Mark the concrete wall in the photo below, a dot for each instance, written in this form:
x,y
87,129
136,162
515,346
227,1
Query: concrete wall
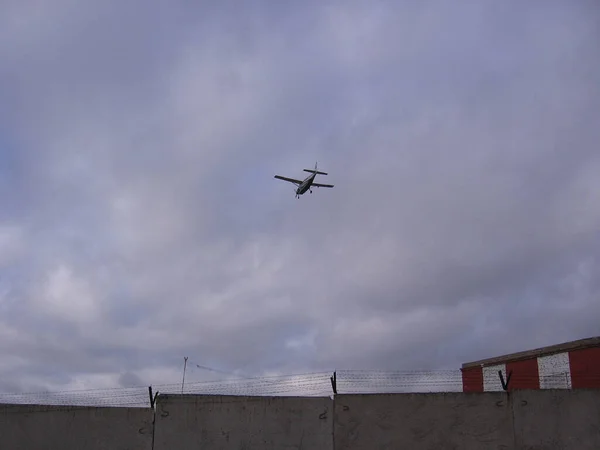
x,y
37,427
557,419
521,420
423,421
249,423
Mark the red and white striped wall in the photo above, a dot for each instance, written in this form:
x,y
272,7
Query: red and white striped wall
x,y
574,369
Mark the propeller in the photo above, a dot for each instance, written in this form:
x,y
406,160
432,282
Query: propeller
x,y
297,196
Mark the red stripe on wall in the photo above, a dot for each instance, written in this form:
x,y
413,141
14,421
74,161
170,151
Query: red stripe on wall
x,y
525,374
585,368
472,379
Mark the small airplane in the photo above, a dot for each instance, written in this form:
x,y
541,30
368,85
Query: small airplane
x,y
307,183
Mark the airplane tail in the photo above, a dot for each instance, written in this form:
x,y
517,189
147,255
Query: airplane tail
x,y
315,170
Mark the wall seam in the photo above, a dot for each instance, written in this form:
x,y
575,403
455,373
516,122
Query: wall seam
x,y
153,425
511,404
333,420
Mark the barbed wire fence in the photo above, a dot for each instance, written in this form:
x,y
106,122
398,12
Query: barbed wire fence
x,y
306,384
315,384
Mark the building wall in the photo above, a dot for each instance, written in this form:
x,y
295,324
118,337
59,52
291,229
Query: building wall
x,y
585,368
574,369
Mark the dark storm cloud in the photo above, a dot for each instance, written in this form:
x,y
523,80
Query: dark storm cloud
x,y
145,224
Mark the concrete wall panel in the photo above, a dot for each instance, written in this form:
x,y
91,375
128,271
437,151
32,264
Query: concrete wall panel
x,y
466,421
37,427
251,423
557,419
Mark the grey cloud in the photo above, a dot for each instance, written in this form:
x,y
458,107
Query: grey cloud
x,y
144,141
129,379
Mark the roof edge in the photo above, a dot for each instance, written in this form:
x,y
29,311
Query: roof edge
x,y
542,351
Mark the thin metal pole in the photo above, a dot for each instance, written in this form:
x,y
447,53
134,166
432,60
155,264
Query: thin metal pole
x,y
185,358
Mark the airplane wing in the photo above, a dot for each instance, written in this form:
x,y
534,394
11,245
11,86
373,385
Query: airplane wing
x,y
321,185
291,180
315,171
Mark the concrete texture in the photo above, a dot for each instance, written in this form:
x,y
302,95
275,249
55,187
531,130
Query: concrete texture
x,y
556,419
250,423
37,427
474,421
520,420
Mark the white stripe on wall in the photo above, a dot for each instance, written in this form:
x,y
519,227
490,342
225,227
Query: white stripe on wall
x,y
491,380
555,371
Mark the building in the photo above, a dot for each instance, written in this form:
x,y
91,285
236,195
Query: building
x,y
572,365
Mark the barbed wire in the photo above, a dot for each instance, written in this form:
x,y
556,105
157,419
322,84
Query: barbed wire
x,y
305,384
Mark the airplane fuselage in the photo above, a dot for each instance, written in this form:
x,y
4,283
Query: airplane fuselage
x,y
305,185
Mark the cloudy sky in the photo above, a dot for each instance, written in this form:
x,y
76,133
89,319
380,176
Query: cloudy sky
x,y
140,221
